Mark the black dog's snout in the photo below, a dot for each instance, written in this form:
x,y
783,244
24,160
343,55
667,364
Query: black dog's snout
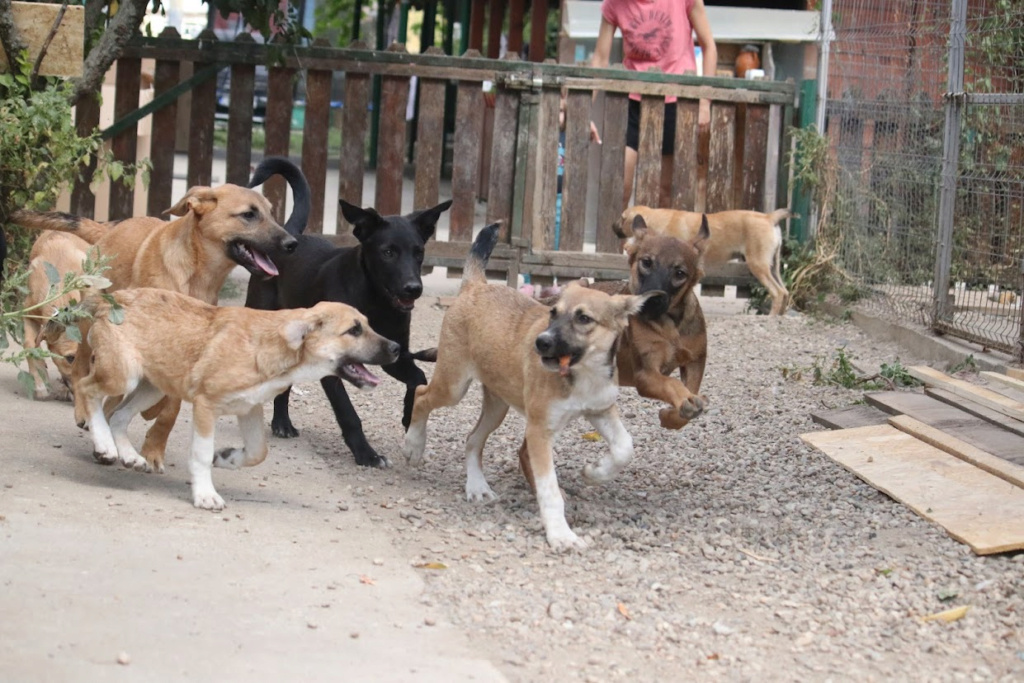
x,y
545,344
289,244
412,289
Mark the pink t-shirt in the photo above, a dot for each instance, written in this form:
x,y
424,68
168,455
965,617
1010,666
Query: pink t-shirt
x,y
654,33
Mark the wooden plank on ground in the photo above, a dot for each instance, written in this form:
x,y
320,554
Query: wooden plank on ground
x,y
354,124
684,161
973,506
277,126
852,416
986,397
720,157
953,421
648,154
1005,380
1007,471
574,172
613,143
240,111
987,414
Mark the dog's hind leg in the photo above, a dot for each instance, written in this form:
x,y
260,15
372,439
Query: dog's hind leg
x,y
620,447
492,414
281,423
200,462
89,399
155,445
144,396
351,425
445,389
254,443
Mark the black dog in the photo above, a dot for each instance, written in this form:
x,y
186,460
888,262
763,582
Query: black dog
x,y
380,277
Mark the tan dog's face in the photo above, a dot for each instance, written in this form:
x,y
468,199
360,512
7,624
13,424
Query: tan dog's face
x,y
339,336
241,220
623,227
584,328
64,350
663,263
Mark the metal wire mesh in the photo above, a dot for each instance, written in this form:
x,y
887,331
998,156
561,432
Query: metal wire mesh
x,y
884,119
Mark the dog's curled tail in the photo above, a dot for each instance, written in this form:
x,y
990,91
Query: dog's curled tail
x,y
426,355
302,204
86,228
781,214
476,265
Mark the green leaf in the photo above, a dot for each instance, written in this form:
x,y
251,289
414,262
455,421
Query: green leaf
x,y
73,333
116,315
27,383
51,273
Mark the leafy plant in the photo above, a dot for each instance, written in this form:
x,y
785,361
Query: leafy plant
x,y
840,371
966,365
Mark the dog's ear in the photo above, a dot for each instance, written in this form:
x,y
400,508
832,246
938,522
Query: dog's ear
x,y
426,220
198,199
700,242
632,304
296,331
364,221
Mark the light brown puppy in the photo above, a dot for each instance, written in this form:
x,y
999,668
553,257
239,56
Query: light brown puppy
x,y
223,360
753,235
550,364
65,253
217,229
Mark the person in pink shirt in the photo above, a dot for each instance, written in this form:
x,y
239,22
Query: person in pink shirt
x,y
655,33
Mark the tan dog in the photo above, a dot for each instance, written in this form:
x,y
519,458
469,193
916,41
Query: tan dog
x,y
65,253
551,364
754,236
218,228
225,361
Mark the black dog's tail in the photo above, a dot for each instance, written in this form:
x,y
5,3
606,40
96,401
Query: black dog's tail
x,y
426,355
283,166
476,265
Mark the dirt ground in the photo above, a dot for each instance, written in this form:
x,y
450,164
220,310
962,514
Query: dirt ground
x,y
728,550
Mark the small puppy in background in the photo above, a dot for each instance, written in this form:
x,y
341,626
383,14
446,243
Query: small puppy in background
x,y
550,364
66,253
225,361
752,235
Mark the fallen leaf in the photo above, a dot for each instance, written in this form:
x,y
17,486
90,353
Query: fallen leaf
x,y
714,656
624,611
431,565
591,436
948,615
367,580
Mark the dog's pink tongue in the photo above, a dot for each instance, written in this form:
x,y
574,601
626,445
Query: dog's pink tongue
x,y
264,263
359,370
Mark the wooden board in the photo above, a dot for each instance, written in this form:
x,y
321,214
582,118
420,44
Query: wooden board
x,y
973,506
684,160
277,126
355,121
1005,380
610,185
541,203
65,54
720,157
203,110
648,159
161,154
753,157
469,111
997,419
986,397
123,145
1016,373
574,178
503,148
1007,471
394,94
953,421
852,416
429,142
240,113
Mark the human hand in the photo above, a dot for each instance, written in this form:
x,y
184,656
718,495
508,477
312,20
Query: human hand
x,y
594,135
704,115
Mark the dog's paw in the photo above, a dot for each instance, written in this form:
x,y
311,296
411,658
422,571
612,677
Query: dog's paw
x,y
412,451
283,429
693,406
595,475
105,458
229,458
565,541
60,392
207,500
134,461
372,459
480,492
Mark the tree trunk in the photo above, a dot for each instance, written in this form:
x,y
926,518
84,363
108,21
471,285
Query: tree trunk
x,y
9,37
120,30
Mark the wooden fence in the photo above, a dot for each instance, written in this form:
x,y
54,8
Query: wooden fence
x,y
734,165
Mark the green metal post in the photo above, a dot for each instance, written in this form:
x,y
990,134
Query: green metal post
x,y
801,195
375,114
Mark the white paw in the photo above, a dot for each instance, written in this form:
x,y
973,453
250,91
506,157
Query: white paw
x,y
105,458
413,452
229,458
480,492
134,461
565,541
595,475
207,500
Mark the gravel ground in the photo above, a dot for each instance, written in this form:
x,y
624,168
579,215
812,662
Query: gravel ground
x,y
727,550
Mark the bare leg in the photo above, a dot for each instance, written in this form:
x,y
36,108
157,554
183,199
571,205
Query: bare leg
x,y
492,413
629,173
254,443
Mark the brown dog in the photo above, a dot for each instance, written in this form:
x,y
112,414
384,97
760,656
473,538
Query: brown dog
x,y
217,229
65,253
225,361
551,364
753,235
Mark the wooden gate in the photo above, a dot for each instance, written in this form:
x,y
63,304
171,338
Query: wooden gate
x,y
735,165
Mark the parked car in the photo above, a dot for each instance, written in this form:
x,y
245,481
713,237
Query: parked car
x,y
259,94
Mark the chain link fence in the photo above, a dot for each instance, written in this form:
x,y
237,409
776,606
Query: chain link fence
x,y
900,120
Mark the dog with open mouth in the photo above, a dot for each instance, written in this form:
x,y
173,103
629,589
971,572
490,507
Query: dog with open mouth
x,y
552,364
223,360
214,229
381,276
